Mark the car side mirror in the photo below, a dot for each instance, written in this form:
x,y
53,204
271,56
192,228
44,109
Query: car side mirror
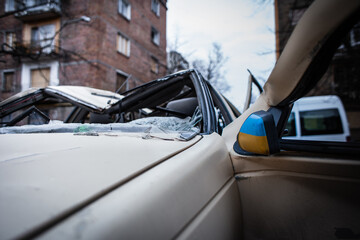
x,y
258,135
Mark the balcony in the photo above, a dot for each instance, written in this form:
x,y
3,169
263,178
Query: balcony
x,y
34,51
30,10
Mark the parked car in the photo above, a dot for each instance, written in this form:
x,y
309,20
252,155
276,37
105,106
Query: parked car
x,y
172,159
320,118
83,145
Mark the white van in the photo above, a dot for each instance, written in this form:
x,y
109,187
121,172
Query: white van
x,y
318,118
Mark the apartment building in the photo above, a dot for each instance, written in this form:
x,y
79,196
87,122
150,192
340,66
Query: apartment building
x,y
113,45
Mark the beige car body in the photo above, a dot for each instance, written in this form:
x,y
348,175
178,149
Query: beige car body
x,y
127,186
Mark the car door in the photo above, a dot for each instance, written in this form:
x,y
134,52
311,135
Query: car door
x,y
302,189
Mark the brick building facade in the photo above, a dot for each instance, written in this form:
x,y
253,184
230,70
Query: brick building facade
x,y
101,44
343,75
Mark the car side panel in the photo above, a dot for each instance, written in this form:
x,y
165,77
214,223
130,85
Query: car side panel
x,y
298,196
220,219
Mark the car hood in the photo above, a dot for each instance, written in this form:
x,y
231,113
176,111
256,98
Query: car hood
x,y
46,177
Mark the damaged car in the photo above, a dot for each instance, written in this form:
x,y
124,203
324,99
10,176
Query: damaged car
x,y
110,140
173,159
184,98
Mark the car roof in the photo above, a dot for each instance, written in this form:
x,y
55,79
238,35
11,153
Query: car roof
x,y
328,99
91,98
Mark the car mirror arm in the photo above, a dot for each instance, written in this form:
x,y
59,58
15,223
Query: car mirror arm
x,y
280,115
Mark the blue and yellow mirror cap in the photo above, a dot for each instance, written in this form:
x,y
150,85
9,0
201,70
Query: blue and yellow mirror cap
x,y
257,135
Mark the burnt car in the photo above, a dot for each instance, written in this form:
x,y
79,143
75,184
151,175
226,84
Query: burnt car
x,y
173,158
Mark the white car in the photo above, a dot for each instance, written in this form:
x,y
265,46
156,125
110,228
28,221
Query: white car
x,y
320,118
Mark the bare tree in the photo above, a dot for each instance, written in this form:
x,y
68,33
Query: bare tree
x,y
213,68
176,60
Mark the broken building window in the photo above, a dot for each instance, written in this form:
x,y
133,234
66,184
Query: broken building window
x,y
155,36
42,37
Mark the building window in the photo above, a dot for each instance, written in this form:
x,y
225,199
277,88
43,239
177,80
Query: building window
x,y
8,81
125,9
121,83
42,37
10,39
154,65
40,77
10,5
123,45
49,73
155,7
155,36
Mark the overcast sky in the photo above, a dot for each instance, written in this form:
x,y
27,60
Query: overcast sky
x,y
243,28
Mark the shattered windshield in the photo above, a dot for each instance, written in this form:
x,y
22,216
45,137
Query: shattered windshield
x,y
164,106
